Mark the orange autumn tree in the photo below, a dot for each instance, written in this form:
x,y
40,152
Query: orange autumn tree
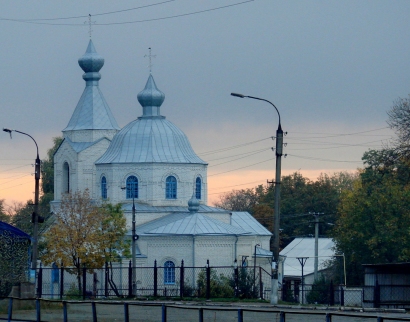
x,y
84,233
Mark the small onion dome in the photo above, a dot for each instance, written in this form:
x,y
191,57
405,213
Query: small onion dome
x,y
91,62
193,204
151,98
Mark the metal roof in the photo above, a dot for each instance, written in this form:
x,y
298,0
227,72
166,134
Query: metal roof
x,y
189,224
305,247
170,209
92,111
149,140
246,221
13,232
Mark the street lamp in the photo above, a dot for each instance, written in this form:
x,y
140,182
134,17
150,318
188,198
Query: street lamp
x,y
35,216
278,150
134,239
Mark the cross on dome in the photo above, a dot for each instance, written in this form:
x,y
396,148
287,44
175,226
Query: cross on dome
x,y
90,23
150,56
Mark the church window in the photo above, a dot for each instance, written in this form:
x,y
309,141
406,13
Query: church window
x,y
103,188
171,188
198,188
66,178
132,187
169,272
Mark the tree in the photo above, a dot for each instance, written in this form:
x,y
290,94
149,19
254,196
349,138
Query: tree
x,y
399,120
3,215
240,200
84,233
373,224
47,171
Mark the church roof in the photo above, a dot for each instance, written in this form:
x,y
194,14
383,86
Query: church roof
x,y
188,224
150,138
246,221
169,209
92,111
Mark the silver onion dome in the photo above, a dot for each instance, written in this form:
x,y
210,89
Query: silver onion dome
x,y
151,98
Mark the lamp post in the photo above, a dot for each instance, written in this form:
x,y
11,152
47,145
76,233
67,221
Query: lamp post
x,y
278,150
35,215
134,239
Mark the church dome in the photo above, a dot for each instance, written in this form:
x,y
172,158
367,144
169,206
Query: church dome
x,y
91,61
150,138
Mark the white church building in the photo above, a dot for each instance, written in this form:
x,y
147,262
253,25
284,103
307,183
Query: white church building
x,y
151,161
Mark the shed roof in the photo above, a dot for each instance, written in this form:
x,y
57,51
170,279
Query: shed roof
x,y
305,247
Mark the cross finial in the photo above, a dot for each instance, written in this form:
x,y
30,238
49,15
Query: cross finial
x,y
150,56
90,23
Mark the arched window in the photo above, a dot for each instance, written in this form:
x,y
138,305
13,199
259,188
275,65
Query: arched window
x,y
198,188
169,272
103,188
66,178
171,188
132,187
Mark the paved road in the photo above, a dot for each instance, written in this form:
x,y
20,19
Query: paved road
x,y
108,312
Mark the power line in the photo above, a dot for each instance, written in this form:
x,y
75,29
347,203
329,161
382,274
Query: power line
x,y
127,22
319,159
86,16
214,165
233,147
211,175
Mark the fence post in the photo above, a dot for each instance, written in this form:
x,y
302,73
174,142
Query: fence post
x,y
380,319
201,314
164,313
38,312
106,280
95,281
130,279
332,294
342,296
40,281
65,311
181,280
94,310
208,280
282,316
260,283
376,295
84,281
155,279
328,317
236,273
240,315
126,313
62,281
10,310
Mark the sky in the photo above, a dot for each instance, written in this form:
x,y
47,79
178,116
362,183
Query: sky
x,y
332,68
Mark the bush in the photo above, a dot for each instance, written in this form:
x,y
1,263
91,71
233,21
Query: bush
x,y
220,285
248,287
320,292
73,293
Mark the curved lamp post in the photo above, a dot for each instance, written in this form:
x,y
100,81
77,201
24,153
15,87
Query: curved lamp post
x,y
276,216
35,215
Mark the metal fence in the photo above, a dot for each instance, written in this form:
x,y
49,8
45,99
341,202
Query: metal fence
x,y
157,281
52,310
326,293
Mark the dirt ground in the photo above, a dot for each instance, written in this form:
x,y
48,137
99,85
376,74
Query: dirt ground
x,y
141,312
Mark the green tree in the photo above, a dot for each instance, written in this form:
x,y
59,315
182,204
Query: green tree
x,y
373,224
47,172
84,233
3,215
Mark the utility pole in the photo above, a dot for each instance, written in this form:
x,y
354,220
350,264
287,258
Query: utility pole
x,y
316,215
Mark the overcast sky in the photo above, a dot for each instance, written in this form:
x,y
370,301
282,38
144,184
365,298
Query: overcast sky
x,y
332,68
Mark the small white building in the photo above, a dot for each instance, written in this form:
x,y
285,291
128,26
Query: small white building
x,y
151,162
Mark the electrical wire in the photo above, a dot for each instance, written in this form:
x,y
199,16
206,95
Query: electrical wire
x,y
214,165
233,147
215,174
30,21
325,160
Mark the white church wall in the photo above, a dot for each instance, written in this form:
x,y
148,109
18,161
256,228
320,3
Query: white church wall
x,y
152,182
65,154
89,135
